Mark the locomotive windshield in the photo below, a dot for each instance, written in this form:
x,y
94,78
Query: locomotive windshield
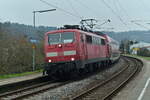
x,y
57,38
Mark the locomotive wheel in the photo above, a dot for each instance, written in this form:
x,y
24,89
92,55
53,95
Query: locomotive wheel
x,y
82,71
90,68
61,74
96,66
106,63
65,74
103,65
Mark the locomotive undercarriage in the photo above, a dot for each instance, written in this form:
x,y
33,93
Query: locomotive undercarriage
x,y
70,70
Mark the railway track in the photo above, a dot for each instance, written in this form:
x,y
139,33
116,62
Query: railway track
x,y
106,89
31,90
22,84
98,90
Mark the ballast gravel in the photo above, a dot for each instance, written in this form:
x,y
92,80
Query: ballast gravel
x,y
71,88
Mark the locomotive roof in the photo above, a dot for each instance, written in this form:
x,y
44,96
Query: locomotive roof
x,y
98,34
92,33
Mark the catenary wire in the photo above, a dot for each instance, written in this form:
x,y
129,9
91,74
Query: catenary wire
x,y
67,12
73,8
124,11
89,9
114,12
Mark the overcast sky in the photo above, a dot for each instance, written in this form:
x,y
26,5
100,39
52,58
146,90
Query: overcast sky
x,y
120,12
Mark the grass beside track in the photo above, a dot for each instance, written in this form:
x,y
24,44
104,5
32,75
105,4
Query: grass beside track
x,y
19,74
146,58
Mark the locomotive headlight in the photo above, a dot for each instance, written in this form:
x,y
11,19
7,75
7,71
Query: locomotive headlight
x,y
72,59
59,45
49,60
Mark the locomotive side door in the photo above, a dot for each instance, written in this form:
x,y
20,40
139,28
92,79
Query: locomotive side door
x,y
108,49
83,47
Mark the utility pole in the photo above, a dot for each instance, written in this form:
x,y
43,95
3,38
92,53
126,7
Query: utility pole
x,y
33,56
33,45
40,11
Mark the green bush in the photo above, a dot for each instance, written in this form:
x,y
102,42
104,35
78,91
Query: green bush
x,y
143,52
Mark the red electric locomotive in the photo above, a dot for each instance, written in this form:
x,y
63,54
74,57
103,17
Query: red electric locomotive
x,y
69,50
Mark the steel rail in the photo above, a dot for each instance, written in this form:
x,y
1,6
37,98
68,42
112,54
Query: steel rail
x,y
116,90
41,90
27,93
20,84
24,89
110,93
83,93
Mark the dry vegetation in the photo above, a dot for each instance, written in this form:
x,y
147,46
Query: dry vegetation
x,y
16,54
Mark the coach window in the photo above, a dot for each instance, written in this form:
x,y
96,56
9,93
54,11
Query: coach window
x,y
93,39
102,41
88,39
99,41
96,40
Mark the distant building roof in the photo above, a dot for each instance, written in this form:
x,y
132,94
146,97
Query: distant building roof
x,y
140,45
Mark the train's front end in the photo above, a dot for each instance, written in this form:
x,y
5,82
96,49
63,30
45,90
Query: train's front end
x,y
60,50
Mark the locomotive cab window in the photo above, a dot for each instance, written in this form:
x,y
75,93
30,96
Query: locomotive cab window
x,y
53,38
65,37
